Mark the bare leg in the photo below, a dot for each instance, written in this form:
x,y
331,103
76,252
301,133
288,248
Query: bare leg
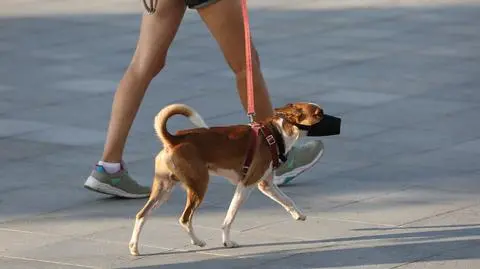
x,y
273,192
225,22
241,194
156,34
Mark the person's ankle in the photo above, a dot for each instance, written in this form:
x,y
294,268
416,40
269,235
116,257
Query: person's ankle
x,y
111,167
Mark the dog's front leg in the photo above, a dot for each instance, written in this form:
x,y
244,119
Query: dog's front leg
x,y
241,194
273,192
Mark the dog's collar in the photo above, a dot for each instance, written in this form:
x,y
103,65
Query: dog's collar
x,y
275,143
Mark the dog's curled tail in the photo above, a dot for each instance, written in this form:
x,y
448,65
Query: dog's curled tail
x,y
160,123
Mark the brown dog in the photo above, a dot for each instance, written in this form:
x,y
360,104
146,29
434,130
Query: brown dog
x,y
190,156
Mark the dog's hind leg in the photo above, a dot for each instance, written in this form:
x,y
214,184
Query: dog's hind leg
x,y
268,188
162,187
241,194
194,177
193,202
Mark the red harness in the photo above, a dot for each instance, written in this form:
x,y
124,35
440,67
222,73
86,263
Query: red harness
x,y
258,129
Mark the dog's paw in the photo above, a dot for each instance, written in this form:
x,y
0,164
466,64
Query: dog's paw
x,y
298,216
301,217
199,243
230,244
133,249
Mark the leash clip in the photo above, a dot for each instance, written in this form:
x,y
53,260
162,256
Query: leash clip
x,y
251,117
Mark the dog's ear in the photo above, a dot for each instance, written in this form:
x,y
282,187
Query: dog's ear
x,y
292,115
318,112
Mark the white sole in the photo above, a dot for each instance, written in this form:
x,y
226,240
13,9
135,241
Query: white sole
x,y
280,180
95,185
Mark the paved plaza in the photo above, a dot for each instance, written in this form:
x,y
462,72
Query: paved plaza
x,y
399,188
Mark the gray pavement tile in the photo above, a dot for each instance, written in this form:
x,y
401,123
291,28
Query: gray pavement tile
x,y
17,240
286,237
364,255
324,59
465,92
12,127
16,150
470,146
93,255
462,182
13,262
33,171
343,150
459,125
402,207
327,169
96,213
65,135
421,140
355,130
325,195
6,107
407,112
71,113
359,98
442,158
33,200
87,85
454,226
463,258
407,174
167,260
56,55
4,88
320,231
22,102
411,76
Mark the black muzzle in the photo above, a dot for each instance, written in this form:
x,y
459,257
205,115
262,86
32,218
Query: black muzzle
x,y
328,126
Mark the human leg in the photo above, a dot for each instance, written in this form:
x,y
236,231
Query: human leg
x,y
156,34
224,20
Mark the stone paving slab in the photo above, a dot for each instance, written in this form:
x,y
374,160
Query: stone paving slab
x,y
398,189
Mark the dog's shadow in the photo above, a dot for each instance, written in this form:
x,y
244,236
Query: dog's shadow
x,y
457,232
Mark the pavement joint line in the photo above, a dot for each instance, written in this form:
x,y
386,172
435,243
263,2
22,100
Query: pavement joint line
x,y
428,257
263,225
440,214
292,254
46,261
355,221
89,238
405,188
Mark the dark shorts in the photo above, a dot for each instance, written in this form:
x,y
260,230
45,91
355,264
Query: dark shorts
x,y
194,4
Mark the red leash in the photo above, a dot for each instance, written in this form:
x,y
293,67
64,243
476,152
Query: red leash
x,y
257,128
248,56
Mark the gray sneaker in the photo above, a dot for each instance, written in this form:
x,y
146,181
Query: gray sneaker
x,y
118,184
300,159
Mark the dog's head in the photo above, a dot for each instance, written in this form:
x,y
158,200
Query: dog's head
x,y
300,114
309,118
